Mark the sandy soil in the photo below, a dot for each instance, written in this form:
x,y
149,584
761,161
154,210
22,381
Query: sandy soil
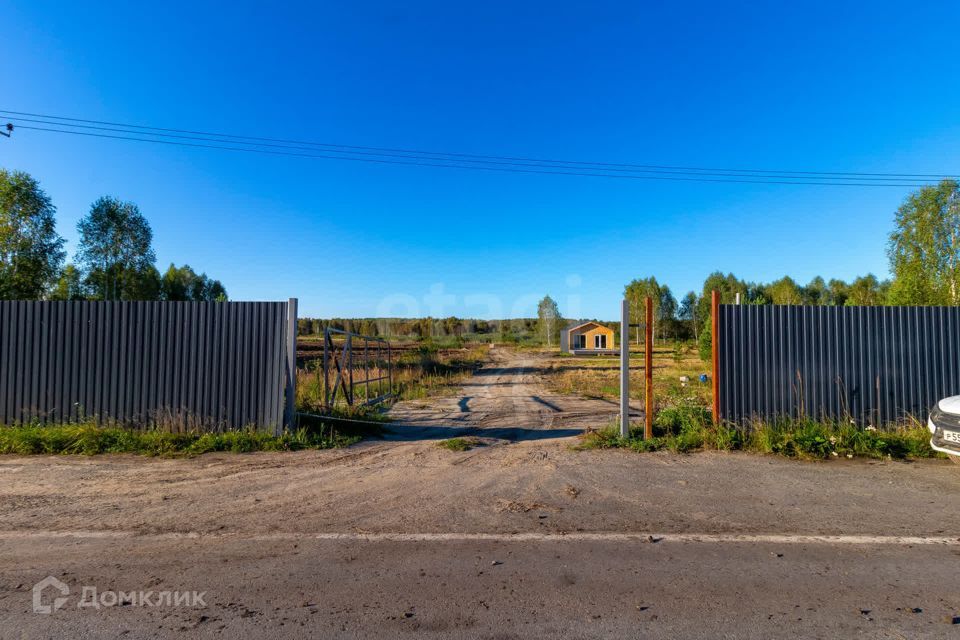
x,y
506,399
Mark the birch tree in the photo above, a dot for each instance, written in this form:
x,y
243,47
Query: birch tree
x,y
548,316
924,247
31,251
116,252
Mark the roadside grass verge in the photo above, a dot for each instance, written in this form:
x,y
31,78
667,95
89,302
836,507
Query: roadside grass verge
x,y
688,428
91,439
460,444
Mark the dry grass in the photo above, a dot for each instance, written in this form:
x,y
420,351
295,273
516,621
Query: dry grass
x,y
599,376
419,373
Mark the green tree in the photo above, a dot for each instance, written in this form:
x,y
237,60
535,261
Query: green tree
x,y
728,286
666,312
368,327
839,291
924,247
183,283
31,251
69,286
116,252
143,284
816,292
217,292
689,310
452,326
867,291
548,319
636,293
756,293
704,343
176,283
423,328
785,291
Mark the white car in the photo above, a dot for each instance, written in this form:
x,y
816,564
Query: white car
x,y
944,424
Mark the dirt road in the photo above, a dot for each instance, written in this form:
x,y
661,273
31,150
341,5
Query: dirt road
x,y
520,538
505,399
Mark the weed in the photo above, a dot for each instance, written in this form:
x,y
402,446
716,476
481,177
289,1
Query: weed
x,y
460,444
687,427
90,439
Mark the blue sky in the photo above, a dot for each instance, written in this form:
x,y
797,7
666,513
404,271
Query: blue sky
x,y
830,86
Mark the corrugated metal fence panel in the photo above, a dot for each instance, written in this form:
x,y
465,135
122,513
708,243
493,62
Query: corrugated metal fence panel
x,y
209,365
874,365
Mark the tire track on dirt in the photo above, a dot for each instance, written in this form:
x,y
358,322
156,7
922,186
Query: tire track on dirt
x,y
506,399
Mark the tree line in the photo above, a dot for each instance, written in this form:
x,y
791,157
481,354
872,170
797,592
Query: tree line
x,y
511,330
545,328
923,250
114,259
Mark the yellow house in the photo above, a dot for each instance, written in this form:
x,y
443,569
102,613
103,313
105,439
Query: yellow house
x,y
588,337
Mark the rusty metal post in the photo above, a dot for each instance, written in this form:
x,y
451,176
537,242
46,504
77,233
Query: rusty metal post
x,y
327,348
715,351
389,369
350,367
648,371
366,369
624,369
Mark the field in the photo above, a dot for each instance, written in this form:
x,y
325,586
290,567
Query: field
x,y
424,368
599,376
418,371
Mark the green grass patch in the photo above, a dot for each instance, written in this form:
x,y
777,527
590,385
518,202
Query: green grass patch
x,y
91,439
685,427
460,444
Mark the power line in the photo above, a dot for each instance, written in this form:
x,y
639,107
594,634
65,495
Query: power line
x,y
300,147
384,155
470,155
482,168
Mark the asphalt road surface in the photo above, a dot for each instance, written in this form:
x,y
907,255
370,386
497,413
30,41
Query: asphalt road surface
x,y
523,537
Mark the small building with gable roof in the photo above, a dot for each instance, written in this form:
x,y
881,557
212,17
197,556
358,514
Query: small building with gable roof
x,y
587,338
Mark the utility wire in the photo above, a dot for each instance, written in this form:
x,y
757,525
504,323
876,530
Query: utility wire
x,y
384,155
433,157
470,155
481,167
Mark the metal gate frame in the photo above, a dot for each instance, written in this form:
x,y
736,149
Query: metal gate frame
x,y
341,362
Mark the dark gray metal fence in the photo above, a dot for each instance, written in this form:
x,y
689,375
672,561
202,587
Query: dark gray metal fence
x,y
203,365
874,365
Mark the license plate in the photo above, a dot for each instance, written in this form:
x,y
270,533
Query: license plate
x,y
952,436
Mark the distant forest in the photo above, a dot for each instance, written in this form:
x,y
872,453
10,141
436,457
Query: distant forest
x,y
425,328
923,251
